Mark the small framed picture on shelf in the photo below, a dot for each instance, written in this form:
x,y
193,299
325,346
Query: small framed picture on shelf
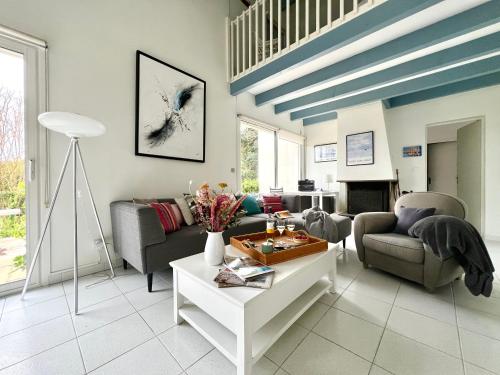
x,y
325,152
360,149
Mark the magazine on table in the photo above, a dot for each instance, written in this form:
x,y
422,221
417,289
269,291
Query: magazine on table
x,y
246,267
226,279
283,214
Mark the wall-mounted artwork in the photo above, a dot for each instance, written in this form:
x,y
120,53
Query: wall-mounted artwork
x,y
412,151
170,111
359,149
325,152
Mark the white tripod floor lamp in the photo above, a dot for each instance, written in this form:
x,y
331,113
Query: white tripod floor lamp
x,y
75,127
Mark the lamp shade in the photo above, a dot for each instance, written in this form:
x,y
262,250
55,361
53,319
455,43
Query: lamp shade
x,y
328,178
72,124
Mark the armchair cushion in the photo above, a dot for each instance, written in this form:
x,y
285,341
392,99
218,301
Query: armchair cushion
x,y
407,216
396,245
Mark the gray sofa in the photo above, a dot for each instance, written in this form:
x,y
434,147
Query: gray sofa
x,y
139,238
400,254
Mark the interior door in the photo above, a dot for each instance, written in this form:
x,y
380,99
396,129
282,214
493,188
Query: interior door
x,y
442,167
469,147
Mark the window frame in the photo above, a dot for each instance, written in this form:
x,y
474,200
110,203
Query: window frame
x,y
285,135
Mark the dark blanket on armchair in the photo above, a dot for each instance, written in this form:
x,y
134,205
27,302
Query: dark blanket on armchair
x,y
449,236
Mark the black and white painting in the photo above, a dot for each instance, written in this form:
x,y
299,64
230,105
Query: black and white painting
x,y
170,111
359,149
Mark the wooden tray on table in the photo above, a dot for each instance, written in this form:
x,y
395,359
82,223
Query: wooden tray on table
x,y
313,245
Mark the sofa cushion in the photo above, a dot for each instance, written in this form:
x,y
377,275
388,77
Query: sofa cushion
x,y
272,203
251,205
407,216
185,211
396,245
166,214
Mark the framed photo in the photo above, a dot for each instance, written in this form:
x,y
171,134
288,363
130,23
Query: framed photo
x,y
169,111
325,152
359,149
412,151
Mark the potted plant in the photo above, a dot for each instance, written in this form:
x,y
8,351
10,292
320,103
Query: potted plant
x,y
215,211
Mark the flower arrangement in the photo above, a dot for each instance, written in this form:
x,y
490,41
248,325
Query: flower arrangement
x,y
217,209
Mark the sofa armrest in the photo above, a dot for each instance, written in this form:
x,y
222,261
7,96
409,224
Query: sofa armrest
x,y
371,222
135,226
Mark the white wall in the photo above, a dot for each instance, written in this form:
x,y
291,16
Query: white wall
x,y
407,126
92,48
318,134
360,119
245,105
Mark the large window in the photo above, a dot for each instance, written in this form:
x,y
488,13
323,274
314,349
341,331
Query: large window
x,y
269,158
288,164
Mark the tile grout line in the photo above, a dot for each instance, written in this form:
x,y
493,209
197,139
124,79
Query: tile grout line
x,y
194,363
310,330
385,328
34,304
154,334
74,330
36,354
458,328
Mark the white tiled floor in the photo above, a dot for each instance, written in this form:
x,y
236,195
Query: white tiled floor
x,y
376,324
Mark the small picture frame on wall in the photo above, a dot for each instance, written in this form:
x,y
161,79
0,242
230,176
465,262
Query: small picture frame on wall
x,y
360,149
412,151
325,152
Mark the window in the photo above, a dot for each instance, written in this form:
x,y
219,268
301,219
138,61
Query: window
x,y
269,157
288,164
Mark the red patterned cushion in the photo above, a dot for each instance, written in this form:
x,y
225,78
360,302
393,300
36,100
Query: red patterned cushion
x,y
178,214
272,203
166,213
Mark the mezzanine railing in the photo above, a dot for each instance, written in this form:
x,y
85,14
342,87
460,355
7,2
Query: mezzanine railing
x,y
270,28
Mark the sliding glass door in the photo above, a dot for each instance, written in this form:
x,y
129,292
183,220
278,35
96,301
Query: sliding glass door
x,y
22,98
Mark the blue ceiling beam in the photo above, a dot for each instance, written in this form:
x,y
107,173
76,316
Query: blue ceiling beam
x,y
321,118
445,90
460,24
425,64
375,19
452,75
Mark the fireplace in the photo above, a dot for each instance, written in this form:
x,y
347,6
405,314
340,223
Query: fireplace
x,y
368,196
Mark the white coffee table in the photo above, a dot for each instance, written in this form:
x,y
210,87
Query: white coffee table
x,y
242,323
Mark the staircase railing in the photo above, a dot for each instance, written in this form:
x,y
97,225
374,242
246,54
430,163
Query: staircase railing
x,y
270,28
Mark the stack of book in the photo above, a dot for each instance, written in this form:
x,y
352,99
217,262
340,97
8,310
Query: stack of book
x,y
244,271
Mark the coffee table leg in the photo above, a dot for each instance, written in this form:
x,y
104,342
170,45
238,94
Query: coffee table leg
x,y
333,272
178,299
244,350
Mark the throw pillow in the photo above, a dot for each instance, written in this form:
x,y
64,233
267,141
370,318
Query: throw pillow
x,y
178,214
185,211
272,203
191,203
251,206
408,216
166,215
144,200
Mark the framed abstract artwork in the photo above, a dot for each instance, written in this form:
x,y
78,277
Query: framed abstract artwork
x,y
325,152
359,149
169,111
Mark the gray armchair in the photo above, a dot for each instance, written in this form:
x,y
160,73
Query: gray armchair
x,y
403,255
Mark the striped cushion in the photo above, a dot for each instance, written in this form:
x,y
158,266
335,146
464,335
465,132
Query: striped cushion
x,y
178,214
272,203
166,214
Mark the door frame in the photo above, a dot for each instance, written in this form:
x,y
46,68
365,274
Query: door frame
x,y
482,122
36,148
